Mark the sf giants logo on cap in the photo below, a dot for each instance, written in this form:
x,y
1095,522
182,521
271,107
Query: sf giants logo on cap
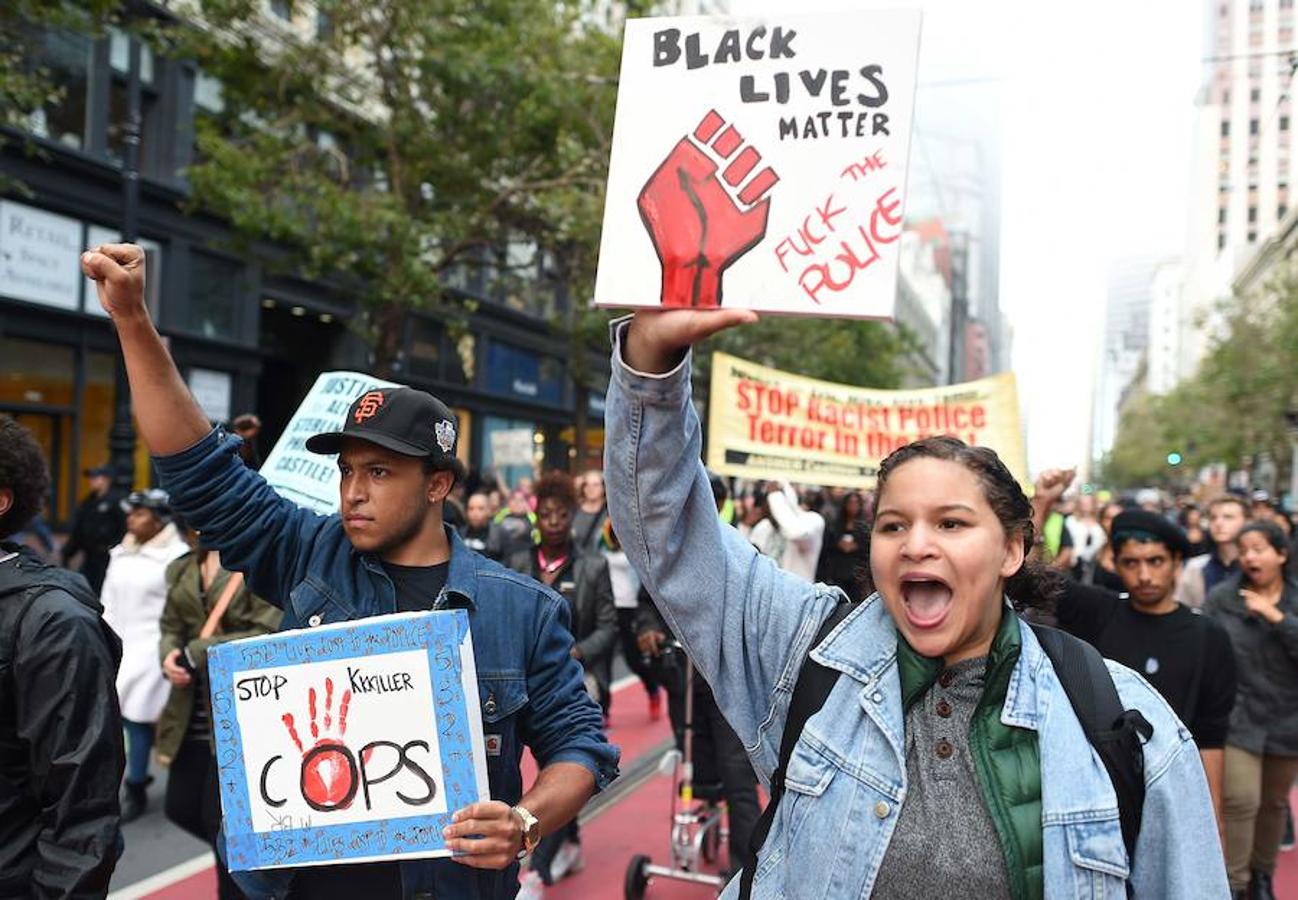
x,y
368,406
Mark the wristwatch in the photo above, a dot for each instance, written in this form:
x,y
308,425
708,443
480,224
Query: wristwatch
x,y
531,830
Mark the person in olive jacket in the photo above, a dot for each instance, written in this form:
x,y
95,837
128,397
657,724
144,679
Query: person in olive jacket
x,y
196,585
1258,607
582,579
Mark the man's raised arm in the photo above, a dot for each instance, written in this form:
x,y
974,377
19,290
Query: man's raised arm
x,y
169,418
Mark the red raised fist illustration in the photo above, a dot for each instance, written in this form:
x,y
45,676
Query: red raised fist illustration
x,y
329,779
700,220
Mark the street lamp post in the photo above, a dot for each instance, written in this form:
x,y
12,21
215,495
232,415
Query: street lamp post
x,y
121,438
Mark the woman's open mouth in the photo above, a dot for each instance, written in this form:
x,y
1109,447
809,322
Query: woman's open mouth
x,y
926,599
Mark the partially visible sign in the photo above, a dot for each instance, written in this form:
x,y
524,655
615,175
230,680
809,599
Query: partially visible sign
x,y
212,390
766,423
40,256
512,447
347,743
760,162
307,478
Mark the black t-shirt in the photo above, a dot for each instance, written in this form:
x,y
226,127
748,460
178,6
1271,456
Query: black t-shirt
x,y
417,586
1186,657
417,589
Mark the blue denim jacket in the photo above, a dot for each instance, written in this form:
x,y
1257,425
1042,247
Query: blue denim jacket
x,y
748,625
530,689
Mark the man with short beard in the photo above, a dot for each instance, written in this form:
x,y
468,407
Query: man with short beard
x,y
1226,516
387,550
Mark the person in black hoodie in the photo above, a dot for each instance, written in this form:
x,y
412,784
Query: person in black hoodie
x,y
61,750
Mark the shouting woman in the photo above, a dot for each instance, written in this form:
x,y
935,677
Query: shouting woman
x,y
946,761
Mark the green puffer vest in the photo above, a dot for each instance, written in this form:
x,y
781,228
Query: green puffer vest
x,y
1006,759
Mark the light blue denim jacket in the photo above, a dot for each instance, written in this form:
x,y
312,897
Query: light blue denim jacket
x,y
748,625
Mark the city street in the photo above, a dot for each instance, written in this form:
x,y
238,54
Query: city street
x,y
632,817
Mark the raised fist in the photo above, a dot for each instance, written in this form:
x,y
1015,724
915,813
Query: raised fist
x,y
118,273
701,221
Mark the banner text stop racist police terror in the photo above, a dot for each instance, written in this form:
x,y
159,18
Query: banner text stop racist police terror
x,y
820,422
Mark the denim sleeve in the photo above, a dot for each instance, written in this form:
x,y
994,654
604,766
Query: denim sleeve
x,y
746,623
563,723
257,531
1178,851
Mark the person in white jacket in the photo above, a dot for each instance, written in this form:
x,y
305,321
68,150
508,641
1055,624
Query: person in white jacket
x,y
133,596
792,534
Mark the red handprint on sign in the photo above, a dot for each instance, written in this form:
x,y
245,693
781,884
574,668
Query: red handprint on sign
x,y
698,228
328,780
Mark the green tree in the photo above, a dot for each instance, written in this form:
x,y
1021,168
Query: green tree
x,y
1233,408
27,85
392,146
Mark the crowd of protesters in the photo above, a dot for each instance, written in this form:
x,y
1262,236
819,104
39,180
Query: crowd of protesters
x,y
920,609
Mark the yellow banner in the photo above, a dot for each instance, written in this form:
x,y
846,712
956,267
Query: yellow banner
x,y
768,424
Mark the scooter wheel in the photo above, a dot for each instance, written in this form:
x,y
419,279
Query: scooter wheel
x,y
636,879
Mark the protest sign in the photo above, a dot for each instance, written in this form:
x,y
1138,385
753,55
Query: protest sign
x,y
764,423
347,742
512,447
306,478
760,162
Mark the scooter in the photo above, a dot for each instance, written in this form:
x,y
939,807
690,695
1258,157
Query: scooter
x,y
698,826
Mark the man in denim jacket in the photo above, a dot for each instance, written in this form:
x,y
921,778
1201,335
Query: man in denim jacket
x,y
387,551
748,626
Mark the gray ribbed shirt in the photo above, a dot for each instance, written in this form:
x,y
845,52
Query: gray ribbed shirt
x,y
945,844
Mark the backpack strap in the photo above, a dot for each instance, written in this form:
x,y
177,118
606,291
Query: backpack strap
x,y
1117,734
809,694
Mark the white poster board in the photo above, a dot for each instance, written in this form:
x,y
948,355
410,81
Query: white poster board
x,y
512,447
760,162
311,479
212,391
349,742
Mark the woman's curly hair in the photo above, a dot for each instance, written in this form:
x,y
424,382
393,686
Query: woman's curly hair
x,y
1034,586
22,471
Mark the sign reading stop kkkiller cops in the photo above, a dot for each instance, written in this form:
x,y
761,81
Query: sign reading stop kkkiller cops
x,y
347,742
764,423
760,162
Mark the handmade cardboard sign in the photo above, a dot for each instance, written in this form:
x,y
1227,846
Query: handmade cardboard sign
x,y
347,742
765,423
760,162
306,478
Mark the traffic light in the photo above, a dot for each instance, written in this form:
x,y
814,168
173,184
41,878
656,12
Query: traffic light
x,y
1173,458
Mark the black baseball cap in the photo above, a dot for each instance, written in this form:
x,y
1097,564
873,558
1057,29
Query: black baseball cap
x,y
1143,525
400,419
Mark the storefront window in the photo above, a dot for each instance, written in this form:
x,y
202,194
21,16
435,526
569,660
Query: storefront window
x,y
37,387
524,374
67,57
215,295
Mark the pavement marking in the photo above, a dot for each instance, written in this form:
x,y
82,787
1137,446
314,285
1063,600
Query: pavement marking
x,y
165,878
624,682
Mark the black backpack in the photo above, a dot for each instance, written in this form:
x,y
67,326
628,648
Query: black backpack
x,y
1114,732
